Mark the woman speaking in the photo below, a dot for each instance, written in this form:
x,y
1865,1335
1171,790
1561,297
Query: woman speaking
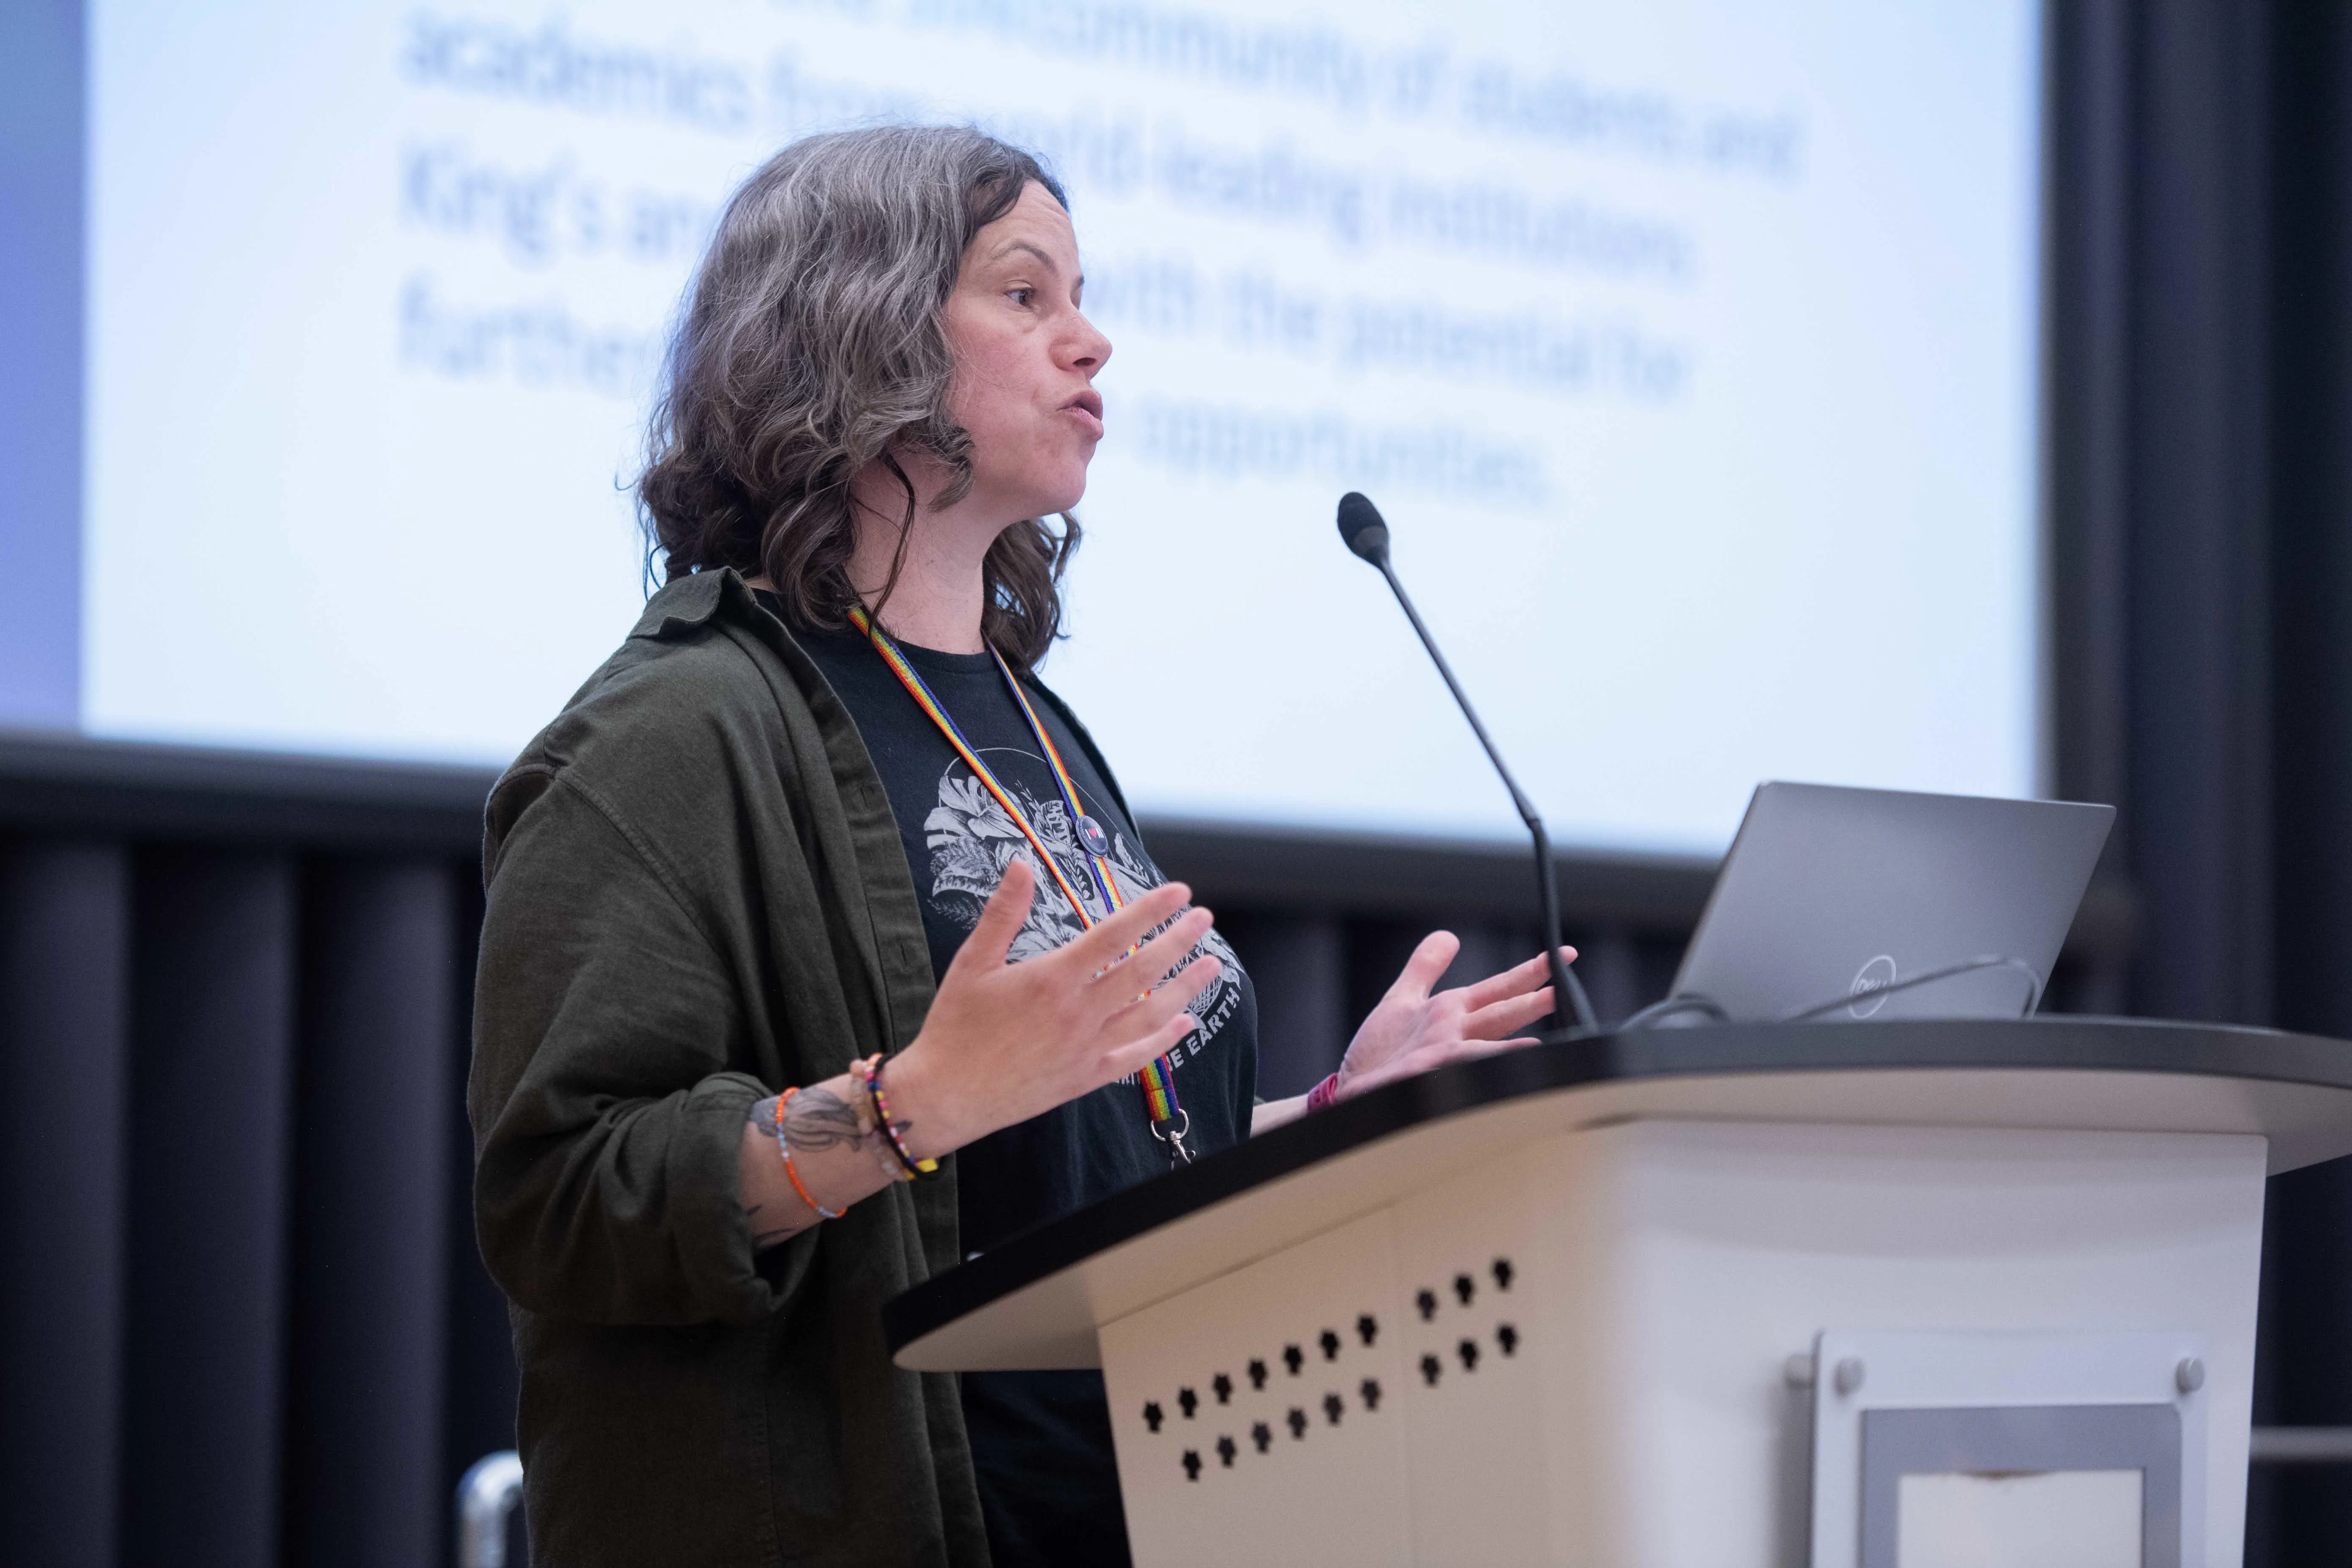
x,y
821,948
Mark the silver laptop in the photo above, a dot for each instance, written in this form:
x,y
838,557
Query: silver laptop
x,y
1849,904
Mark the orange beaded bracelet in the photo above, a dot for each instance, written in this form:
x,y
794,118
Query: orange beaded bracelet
x,y
790,1174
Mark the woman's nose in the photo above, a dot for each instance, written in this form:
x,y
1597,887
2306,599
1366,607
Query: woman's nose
x,y
1090,350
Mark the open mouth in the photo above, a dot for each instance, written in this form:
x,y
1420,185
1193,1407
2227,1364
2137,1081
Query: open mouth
x,y
1089,406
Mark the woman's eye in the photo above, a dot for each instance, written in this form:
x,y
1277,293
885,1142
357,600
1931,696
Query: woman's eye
x,y
1021,296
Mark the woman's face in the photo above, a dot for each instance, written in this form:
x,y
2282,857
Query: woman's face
x,y
1025,363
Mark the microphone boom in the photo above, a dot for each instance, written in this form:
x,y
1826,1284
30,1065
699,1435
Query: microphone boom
x,y
1366,533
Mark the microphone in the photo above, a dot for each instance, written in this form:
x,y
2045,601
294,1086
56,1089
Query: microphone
x,y
1367,534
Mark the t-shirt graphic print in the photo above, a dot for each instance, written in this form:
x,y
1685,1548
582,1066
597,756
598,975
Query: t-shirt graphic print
x,y
973,839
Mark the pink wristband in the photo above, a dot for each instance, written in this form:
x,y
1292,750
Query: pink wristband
x,y
1323,1095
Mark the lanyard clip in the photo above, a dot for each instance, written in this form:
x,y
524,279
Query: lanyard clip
x,y
1179,1157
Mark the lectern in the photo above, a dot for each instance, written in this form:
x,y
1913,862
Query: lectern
x,y
1858,1295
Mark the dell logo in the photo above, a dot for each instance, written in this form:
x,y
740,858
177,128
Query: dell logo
x,y
1871,983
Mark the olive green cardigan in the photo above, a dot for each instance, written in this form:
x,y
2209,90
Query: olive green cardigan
x,y
698,895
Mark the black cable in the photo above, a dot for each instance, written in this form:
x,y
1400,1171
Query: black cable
x,y
1857,998
1652,1015
1656,1013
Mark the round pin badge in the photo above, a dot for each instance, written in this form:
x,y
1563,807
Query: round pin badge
x,y
1091,834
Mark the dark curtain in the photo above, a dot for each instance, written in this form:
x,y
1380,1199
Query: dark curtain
x,y
2200,420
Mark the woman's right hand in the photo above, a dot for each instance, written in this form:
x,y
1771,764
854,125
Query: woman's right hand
x,y
1004,1042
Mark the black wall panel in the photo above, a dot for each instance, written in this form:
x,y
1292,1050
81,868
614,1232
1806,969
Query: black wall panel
x,y
483,1386
372,1173
2305,1370
2197,585
212,1081
65,966
2201,482
1297,963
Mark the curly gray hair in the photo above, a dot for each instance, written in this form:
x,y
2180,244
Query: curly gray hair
x,y
810,347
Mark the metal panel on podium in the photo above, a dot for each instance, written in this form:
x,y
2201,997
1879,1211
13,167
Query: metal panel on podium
x,y
1879,1295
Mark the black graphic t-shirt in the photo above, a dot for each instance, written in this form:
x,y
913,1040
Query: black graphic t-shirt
x,y
1041,1441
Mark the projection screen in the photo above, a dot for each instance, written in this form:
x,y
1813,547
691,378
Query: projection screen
x,y
1688,347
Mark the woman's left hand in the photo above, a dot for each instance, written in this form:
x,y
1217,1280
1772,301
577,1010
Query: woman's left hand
x,y
1415,1029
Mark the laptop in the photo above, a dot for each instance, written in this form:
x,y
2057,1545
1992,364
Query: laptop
x,y
1852,904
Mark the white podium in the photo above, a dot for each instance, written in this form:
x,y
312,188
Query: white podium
x,y
1904,1295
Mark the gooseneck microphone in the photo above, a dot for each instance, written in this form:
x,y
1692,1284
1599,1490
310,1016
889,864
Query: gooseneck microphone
x,y
1367,534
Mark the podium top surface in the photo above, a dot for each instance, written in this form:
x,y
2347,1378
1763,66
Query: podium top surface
x,y
1035,1301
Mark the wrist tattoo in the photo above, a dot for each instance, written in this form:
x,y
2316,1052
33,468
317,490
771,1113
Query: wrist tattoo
x,y
820,1119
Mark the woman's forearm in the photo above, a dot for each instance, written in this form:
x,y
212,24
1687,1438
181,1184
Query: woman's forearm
x,y
838,1154
1268,1114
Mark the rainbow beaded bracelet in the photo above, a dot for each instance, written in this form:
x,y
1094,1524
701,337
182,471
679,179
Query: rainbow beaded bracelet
x,y
871,1069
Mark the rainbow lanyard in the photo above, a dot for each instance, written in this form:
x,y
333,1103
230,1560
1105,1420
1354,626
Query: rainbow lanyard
x,y
1169,1121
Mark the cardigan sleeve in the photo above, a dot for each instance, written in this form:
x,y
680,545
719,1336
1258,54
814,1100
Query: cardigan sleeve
x,y
607,1120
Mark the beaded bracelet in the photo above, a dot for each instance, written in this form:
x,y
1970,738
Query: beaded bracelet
x,y
791,1174
861,1095
912,1166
